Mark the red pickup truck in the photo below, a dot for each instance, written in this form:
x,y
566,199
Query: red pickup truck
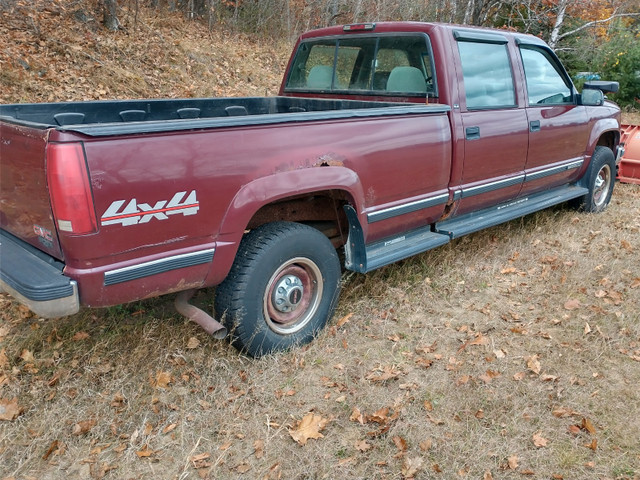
x,y
386,140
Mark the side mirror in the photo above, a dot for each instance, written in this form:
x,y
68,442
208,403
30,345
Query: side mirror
x,y
606,87
592,97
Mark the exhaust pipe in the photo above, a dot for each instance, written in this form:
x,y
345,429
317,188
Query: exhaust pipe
x,y
202,318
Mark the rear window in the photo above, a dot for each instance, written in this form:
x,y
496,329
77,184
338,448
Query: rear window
x,y
373,65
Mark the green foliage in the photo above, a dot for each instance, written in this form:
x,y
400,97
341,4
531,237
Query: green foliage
x,y
620,61
616,58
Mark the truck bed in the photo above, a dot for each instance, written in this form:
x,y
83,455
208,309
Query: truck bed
x,y
106,118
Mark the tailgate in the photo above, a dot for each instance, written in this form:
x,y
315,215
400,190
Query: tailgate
x,y
25,208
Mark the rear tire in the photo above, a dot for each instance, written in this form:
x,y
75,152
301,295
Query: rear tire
x,y
600,181
282,288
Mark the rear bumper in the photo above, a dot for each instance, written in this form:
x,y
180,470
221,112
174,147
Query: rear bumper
x,y
35,279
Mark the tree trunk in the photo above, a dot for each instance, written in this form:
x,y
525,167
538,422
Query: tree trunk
x,y
555,33
110,15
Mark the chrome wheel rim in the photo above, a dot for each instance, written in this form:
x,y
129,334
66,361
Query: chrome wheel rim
x,y
292,296
601,186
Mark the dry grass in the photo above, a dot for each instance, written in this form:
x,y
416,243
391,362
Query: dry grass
x,y
456,332
457,359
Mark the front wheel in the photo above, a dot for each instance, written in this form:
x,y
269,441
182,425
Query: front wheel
x,y
600,181
282,288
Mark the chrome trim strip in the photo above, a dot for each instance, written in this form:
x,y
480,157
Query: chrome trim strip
x,y
490,187
553,170
410,207
154,267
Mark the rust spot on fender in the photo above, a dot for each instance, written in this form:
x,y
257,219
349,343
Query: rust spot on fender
x,y
329,160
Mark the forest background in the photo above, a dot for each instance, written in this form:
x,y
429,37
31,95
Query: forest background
x,y
593,36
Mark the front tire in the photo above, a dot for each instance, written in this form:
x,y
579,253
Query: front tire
x,y
282,288
600,181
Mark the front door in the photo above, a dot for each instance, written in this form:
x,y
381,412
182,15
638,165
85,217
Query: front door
x,y
558,137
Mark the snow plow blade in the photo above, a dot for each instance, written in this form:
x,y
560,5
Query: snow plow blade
x,y
629,168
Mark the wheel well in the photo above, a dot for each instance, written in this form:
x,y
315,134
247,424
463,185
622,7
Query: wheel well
x,y
609,140
321,210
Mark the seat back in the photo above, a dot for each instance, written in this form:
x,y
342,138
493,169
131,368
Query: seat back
x,y
320,76
406,79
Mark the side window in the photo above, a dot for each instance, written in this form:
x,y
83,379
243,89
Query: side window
x,y
400,66
488,82
545,83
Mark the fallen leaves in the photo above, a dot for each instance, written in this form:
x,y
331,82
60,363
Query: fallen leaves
x,y
163,379
384,373
533,364
201,460
572,304
9,409
309,427
411,467
83,427
539,441
144,452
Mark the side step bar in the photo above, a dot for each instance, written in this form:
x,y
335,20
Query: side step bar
x,y
474,221
388,251
365,258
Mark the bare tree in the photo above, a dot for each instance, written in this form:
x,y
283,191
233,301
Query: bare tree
x,y
110,15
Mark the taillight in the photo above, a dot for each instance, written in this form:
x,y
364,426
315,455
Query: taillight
x,y
70,188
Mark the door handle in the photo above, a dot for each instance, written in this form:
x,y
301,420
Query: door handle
x,y
472,133
534,126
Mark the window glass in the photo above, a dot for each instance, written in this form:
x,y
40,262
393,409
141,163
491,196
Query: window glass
x,y
317,54
488,82
384,64
353,68
545,84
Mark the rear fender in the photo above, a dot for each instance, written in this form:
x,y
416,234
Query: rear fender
x,y
263,191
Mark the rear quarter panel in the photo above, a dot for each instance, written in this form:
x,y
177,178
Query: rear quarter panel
x,y
391,158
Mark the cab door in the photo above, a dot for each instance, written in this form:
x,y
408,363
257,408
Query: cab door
x,y
558,132
495,128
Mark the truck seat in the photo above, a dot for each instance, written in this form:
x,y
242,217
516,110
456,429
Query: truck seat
x,y
406,79
320,77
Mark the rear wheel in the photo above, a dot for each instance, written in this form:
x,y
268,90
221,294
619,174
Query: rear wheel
x,y
282,289
600,181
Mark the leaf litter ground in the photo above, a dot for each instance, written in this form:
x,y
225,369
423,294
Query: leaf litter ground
x,y
510,353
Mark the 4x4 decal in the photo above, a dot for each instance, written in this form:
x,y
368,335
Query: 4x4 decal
x,y
135,213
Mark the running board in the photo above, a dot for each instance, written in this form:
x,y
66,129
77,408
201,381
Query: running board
x,y
474,221
365,258
391,250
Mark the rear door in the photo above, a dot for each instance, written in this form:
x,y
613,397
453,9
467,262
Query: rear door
x,y
558,134
495,128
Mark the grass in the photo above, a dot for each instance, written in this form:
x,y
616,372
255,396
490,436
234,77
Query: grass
x,y
508,351
478,310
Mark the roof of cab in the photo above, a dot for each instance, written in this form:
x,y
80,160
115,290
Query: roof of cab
x,y
390,27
